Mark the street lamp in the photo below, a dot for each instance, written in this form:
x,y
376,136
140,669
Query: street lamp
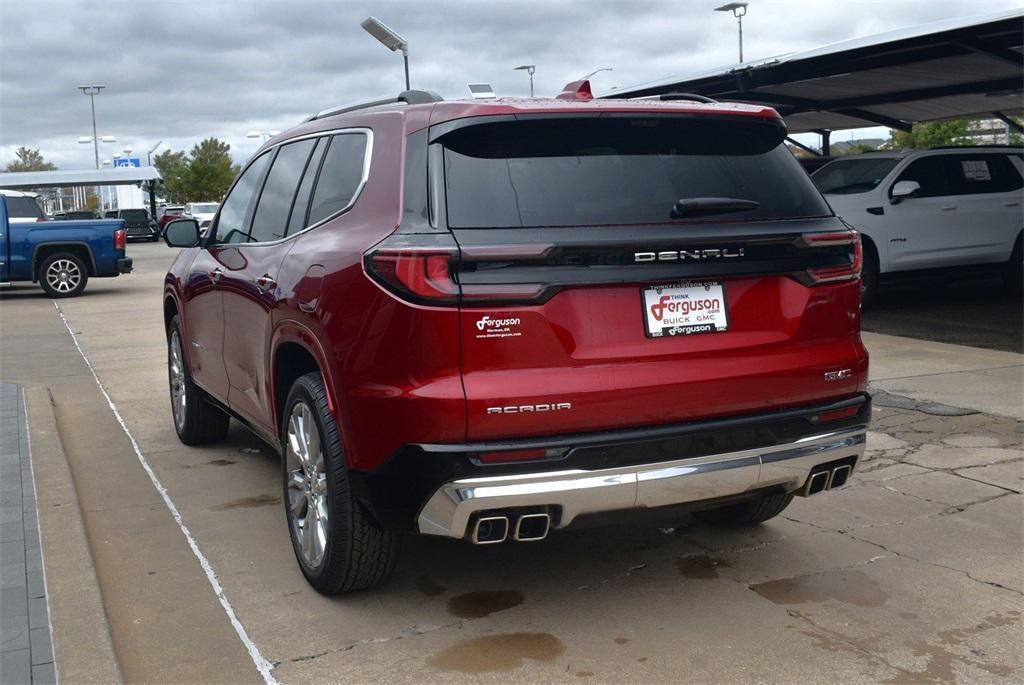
x,y
529,69
149,153
265,135
391,40
92,92
738,9
596,71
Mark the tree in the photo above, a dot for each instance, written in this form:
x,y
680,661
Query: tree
x,y
210,170
29,160
930,134
173,168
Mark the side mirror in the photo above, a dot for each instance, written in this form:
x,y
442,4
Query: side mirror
x,y
182,233
903,190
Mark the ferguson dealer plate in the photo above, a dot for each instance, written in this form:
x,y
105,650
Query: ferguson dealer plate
x,y
684,309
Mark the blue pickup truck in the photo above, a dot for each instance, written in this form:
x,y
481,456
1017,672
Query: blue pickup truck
x,y
59,255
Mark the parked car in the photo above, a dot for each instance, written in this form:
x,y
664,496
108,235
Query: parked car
x,y
76,215
485,320
203,212
60,256
931,214
168,212
22,208
137,222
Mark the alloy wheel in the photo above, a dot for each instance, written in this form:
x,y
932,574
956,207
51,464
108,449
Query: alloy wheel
x,y
176,366
63,275
307,485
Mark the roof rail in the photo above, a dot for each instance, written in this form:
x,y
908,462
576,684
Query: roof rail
x,y
1004,146
687,96
409,97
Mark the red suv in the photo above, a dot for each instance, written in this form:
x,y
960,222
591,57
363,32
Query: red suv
x,y
491,319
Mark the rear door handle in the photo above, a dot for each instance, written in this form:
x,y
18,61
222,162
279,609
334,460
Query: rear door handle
x,y
216,274
947,208
265,282
1011,204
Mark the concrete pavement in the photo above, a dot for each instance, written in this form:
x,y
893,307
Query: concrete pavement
x,y
910,573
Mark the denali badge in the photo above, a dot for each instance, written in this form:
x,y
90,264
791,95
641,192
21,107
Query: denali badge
x,y
529,408
683,255
838,375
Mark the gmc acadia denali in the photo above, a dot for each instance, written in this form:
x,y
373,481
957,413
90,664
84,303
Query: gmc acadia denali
x,y
493,319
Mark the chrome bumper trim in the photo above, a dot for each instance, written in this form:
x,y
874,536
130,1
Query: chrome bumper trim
x,y
577,492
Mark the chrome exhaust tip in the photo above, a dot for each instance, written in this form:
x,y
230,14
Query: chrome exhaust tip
x,y
840,475
490,530
532,527
817,482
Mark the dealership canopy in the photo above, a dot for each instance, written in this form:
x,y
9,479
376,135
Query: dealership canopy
x,y
943,70
116,176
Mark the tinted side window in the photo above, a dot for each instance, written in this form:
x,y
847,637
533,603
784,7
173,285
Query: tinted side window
x,y
23,208
977,174
270,222
340,176
930,173
231,224
297,222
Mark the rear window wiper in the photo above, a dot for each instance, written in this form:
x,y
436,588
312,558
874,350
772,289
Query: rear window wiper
x,y
706,206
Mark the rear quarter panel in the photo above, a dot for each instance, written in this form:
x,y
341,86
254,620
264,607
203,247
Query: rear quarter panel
x,y
97,236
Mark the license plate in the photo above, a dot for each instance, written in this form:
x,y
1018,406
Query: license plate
x,y
684,309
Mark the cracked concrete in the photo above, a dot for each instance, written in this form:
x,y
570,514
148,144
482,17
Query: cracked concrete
x,y
910,573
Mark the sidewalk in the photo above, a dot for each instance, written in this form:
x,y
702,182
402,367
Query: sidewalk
x,y
987,381
26,656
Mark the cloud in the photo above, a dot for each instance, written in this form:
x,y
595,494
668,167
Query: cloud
x,y
178,72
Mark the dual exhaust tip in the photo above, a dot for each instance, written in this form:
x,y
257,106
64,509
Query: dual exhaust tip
x,y
826,479
491,530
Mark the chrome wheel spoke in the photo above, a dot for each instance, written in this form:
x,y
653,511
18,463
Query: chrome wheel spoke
x,y
306,485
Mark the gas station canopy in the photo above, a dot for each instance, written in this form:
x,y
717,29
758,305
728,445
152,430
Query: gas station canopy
x,y
116,176
949,69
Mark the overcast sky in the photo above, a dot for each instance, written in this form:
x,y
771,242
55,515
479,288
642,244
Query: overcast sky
x,y
178,72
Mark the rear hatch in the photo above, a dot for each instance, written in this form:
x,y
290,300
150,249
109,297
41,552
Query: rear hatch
x,y
618,271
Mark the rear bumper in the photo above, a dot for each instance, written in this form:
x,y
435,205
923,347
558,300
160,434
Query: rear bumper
x,y
571,493
124,265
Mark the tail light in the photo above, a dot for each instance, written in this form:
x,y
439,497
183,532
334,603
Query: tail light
x,y
835,274
120,239
42,218
427,276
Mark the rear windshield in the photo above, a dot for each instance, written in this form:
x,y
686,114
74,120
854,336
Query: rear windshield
x,y
852,176
207,208
620,170
134,214
23,207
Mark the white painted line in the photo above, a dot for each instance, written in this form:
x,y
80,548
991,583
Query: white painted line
x,y
39,536
261,663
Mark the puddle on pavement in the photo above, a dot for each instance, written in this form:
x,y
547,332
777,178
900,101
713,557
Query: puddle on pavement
x,y
248,502
221,462
483,603
700,567
850,587
492,653
429,586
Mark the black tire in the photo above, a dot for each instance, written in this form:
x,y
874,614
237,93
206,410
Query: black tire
x,y
746,513
869,274
354,552
1013,273
196,420
63,274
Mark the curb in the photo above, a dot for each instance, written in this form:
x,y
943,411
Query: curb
x,y
82,646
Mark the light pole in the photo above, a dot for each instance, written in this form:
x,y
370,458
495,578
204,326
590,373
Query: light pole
x,y
92,92
391,40
529,69
596,71
738,9
265,135
149,153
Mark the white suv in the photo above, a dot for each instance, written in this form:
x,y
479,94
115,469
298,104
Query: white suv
x,y
936,213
